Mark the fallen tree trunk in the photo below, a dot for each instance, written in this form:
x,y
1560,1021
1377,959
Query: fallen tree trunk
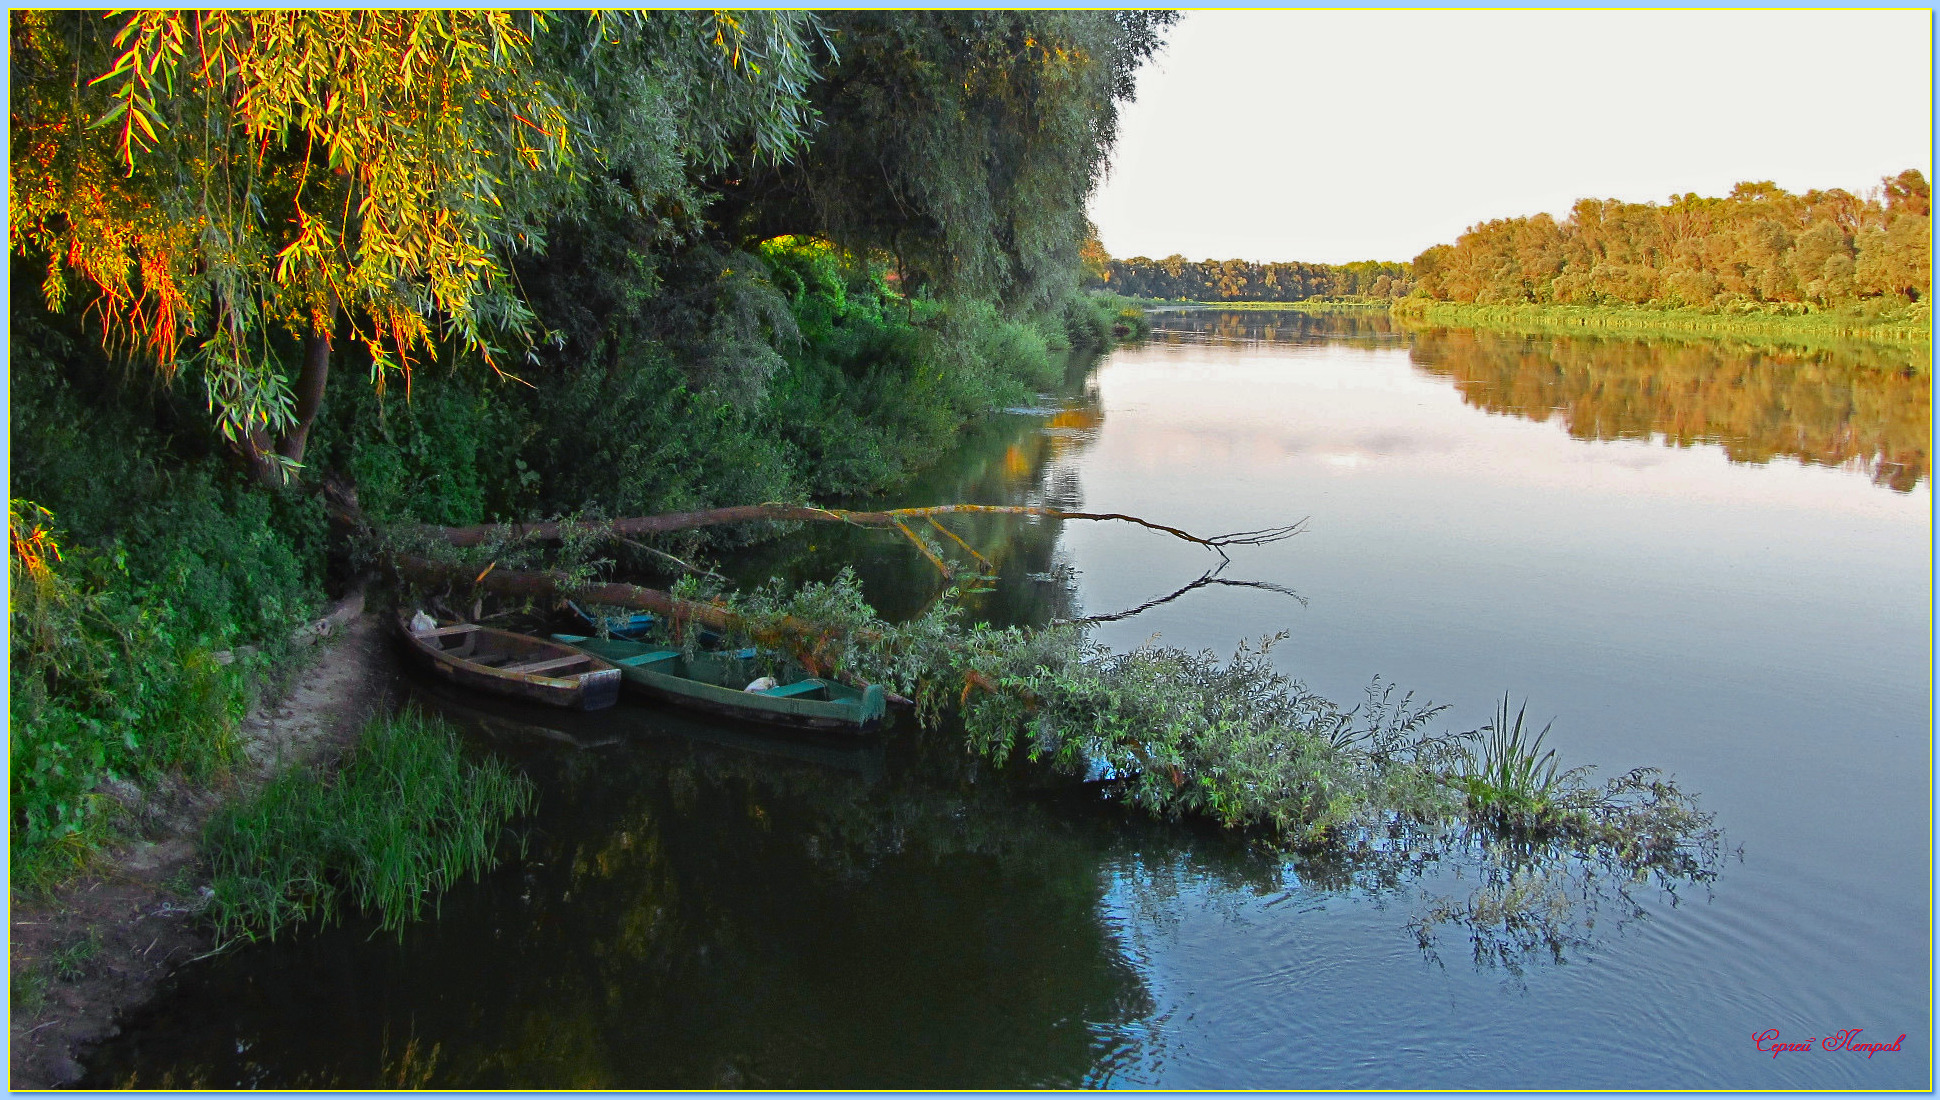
x,y
545,586
898,518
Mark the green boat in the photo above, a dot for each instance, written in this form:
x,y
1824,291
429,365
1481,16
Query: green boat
x,y
713,681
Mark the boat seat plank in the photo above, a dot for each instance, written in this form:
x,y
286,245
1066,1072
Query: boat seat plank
x,y
646,658
444,631
802,687
551,665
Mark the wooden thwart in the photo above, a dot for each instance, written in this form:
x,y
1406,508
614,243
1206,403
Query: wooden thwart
x,y
506,663
802,687
549,666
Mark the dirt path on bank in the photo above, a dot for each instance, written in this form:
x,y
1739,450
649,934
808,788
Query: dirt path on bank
x,y
103,944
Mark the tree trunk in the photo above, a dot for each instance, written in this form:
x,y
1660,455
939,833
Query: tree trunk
x,y
309,390
254,450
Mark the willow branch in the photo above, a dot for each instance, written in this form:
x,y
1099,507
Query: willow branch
x,y
684,565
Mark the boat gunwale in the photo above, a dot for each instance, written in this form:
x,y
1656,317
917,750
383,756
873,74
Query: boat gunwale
x,y
571,691
850,711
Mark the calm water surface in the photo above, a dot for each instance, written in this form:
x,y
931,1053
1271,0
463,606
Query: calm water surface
x,y
1713,560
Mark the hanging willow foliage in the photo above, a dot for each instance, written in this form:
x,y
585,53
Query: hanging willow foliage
x,y
217,180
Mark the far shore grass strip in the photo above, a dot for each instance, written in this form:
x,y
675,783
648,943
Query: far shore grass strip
x,y
1907,330
1910,330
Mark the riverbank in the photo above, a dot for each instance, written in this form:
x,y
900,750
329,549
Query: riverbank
x,y
102,943
1909,327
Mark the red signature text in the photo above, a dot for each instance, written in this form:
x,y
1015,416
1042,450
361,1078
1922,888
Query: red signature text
x,y
1769,1040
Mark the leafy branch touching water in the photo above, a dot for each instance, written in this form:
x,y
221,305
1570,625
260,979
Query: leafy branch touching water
x,y
1176,733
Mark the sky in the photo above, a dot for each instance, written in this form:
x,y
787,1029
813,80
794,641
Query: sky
x,y
1338,136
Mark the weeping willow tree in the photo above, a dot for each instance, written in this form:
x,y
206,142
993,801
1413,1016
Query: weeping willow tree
x,y
961,143
246,190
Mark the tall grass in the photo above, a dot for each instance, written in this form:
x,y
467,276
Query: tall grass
x,y
1507,769
404,818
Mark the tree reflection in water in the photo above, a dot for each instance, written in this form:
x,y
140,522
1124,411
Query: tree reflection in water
x,y
700,907
1855,404
1861,407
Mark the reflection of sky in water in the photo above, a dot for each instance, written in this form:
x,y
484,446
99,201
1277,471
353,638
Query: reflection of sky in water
x,y
1349,409
1758,630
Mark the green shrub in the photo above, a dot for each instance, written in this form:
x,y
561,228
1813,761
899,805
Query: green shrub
x,y
153,558
1096,320
877,384
634,439
440,451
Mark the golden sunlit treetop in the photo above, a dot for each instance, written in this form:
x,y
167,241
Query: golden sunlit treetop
x,y
223,181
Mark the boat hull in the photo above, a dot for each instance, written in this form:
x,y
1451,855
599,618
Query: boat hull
x,y
516,666
706,682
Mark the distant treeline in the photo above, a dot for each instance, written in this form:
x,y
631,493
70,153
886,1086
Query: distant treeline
x,y
1178,278
1760,244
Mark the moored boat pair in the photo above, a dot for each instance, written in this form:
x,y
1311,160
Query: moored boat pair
x,y
585,673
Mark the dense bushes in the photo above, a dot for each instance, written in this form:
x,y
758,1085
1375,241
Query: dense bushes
x,y
851,389
133,566
170,556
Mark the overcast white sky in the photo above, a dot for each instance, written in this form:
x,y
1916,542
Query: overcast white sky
x,y
1337,136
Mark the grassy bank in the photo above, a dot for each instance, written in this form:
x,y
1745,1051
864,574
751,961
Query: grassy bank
x,y
403,818
1908,326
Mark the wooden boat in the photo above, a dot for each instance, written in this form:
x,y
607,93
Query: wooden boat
x,y
712,681
515,665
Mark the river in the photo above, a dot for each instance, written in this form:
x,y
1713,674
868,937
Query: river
x,y
1708,558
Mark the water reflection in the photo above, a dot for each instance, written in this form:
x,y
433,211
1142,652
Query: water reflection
x,y
1820,407
687,915
1863,406
704,905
